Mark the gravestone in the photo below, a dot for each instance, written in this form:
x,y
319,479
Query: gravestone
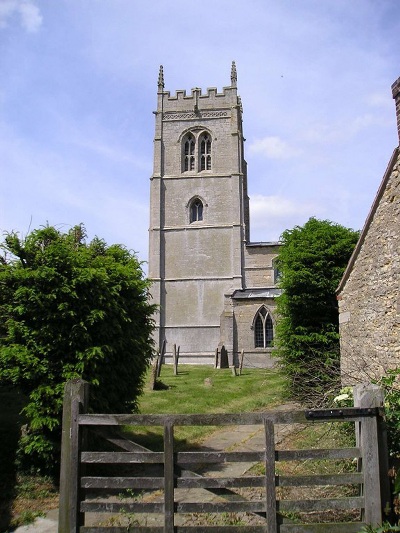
x,y
224,363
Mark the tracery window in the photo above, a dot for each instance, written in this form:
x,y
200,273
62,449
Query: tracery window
x,y
189,152
196,152
196,210
263,329
205,152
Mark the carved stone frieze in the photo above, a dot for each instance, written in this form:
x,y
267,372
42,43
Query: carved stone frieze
x,y
190,115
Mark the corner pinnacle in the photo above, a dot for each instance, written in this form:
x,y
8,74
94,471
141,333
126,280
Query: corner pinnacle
x,y
233,75
161,79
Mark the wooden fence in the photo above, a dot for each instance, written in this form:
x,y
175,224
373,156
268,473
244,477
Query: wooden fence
x,y
163,475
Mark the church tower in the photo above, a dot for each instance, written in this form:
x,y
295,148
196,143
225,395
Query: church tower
x,y
199,218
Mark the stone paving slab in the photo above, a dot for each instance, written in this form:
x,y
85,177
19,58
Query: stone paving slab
x,y
48,524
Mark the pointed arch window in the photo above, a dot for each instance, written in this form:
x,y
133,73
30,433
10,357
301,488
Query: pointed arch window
x,y
263,329
205,152
196,152
196,210
189,153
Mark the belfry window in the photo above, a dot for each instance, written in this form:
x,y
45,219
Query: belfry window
x,y
188,151
205,152
196,152
263,329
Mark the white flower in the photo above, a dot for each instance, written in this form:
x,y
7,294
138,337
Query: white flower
x,y
341,397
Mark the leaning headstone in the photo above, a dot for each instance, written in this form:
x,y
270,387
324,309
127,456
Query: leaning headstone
x,y
216,358
160,359
224,363
241,362
153,374
175,354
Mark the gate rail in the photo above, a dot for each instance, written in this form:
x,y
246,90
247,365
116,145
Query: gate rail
x,y
174,470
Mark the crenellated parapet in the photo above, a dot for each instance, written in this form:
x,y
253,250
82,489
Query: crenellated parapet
x,y
196,100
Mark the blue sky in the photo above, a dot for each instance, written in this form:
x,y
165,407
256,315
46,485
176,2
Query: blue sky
x,y
78,87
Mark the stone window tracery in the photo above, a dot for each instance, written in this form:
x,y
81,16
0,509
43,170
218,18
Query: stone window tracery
x,y
196,152
263,329
189,151
205,152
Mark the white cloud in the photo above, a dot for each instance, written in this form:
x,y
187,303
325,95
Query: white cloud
x,y
279,207
31,19
273,148
30,16
271,215
7,7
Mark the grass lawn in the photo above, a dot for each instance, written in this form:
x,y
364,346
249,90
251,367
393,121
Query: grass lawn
x,y
204,389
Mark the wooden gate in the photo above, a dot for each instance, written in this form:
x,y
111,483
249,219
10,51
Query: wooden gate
x,y
165,475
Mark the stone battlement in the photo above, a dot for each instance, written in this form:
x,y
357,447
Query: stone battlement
x,y
196,100
196,92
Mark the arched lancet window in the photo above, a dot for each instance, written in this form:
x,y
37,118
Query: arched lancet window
x,y
263,329
196,210
188,153
205,152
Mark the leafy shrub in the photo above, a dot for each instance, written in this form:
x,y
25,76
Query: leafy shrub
x,y
69,309
311,261
390,385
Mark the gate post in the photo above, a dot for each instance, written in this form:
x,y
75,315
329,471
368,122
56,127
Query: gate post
x,y
373,458
75,402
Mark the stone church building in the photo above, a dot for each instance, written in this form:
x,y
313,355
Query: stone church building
x,y
369,292
213,286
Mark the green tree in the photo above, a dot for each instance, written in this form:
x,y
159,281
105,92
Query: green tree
x,y
311,260
70,309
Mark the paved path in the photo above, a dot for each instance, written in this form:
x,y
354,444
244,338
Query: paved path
x,y
49,524
246,438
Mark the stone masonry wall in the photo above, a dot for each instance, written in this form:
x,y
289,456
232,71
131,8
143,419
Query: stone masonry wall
x,y
259,265
245,312
369,303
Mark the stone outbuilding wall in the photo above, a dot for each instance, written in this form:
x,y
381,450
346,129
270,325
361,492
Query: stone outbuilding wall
x,y
369,301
